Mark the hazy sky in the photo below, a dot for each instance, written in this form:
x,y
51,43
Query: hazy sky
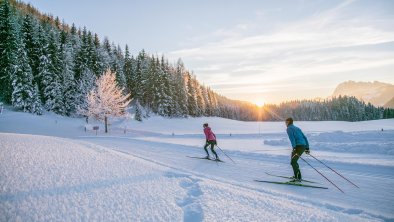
x,y
260,51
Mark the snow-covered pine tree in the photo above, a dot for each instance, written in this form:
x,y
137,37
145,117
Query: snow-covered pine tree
x,y
136,91
50,72
208,110
104,55
142,75
128,70
199,97
180,90
149,79
85,84
97,61
107,99
31,41
91,53
67,74
117,63
8,49
191,97
214,106
24,93
138,111
164,103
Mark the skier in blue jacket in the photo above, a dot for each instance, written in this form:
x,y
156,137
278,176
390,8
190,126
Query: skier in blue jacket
x,y
300,144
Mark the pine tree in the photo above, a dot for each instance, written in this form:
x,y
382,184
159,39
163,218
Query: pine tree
x,y
81,58
199,97
138,111
191,97
151,87
31,41
208,110
8,49
24,93
180,90
97,63
164,101
136,91
50,72
67,74
85,84
128,70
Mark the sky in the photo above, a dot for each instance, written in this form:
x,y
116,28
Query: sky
x,y
254,50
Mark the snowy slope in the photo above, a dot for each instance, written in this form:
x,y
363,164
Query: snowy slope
x,y
52,179
144,175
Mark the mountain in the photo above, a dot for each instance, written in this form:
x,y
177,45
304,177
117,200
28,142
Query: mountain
x,y
389,104
377,93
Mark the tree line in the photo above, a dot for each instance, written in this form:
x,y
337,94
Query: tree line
x,y
341,108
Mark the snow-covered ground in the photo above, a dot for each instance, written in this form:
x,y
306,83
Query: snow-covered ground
x,y
52,170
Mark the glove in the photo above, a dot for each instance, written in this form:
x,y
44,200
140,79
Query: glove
x,y
216,142
307,151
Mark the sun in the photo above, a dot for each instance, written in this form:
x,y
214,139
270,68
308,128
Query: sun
x,y
259,103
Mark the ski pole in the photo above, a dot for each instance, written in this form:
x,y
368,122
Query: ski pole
x,y
225,154
334,170
321,174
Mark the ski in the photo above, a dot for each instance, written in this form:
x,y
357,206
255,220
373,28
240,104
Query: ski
x,y
289,178
290,183
204,158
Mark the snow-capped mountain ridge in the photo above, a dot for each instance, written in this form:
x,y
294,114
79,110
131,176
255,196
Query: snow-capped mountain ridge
x,y
377,93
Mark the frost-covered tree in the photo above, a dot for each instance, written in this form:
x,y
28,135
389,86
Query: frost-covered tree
x,y
106,99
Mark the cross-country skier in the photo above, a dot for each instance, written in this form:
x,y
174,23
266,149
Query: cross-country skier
x,y
300,144
210,140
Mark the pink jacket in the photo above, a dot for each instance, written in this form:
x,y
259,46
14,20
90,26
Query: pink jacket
x,y
209,135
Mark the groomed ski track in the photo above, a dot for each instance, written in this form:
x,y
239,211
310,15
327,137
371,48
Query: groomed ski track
x,y
174,157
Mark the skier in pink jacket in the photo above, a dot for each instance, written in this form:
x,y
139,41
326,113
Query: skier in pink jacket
x,y
210,141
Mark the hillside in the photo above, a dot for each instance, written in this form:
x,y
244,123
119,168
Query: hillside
x,y
48,65
389,104
377,93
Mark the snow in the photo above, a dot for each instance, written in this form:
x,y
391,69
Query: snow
x,y
52,170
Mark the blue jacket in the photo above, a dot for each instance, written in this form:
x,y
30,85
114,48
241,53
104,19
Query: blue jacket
x,y
296,136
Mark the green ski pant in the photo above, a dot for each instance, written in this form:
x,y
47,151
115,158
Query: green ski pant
x,y
295,155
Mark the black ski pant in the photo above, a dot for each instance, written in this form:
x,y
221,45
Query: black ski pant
x,y
295,155
212,144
